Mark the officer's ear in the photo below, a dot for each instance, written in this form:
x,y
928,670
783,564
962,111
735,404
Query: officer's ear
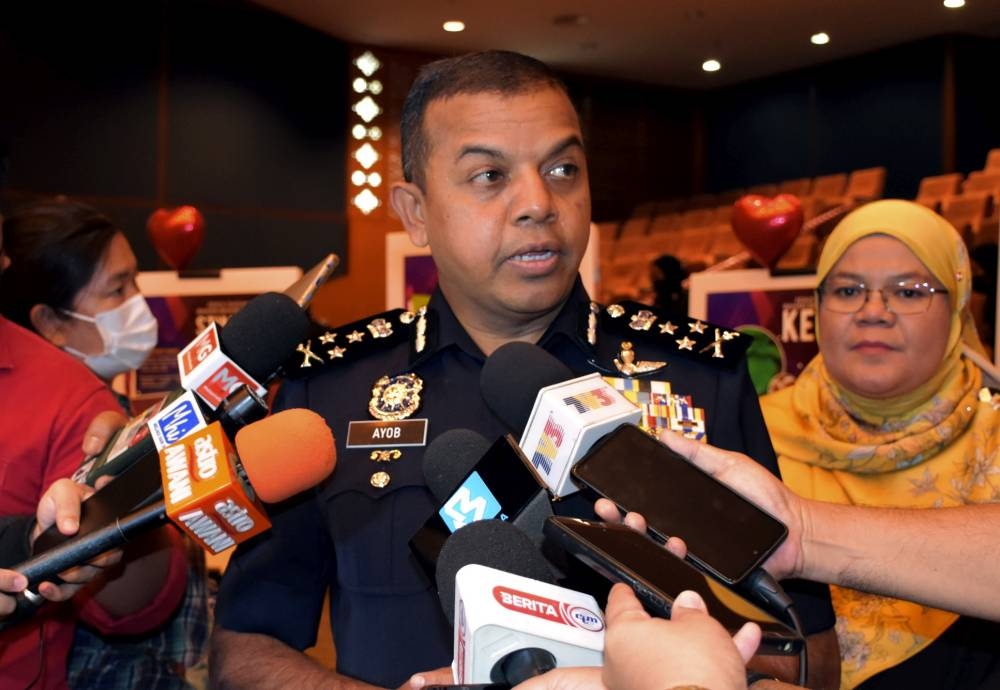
x,y
407,201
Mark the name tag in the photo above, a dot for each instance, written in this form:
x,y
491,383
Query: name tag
x,y
375,434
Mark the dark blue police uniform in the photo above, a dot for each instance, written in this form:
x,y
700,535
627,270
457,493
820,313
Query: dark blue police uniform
x,y
351,534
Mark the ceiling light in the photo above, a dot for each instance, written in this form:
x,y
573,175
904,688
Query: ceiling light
x,y
954,4
711,65
453,26
820,39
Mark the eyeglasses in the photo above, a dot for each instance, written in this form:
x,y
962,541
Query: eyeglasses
x,y
904,297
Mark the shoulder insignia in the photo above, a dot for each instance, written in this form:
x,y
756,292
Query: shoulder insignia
x,y
639,332
336,346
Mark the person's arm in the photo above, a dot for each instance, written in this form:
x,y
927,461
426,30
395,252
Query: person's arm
x,y
250,661
941,557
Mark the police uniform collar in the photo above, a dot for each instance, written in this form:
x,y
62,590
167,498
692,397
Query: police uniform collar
x,y
444,329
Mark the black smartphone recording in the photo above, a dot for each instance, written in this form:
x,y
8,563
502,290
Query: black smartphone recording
x,y
657,576
726,534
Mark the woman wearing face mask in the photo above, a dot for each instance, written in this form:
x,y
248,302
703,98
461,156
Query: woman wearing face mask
x,y
72,279
896,412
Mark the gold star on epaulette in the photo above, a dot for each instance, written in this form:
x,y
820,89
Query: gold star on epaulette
x,y
327,338
355,337
697,327
336,353
668,328
685,343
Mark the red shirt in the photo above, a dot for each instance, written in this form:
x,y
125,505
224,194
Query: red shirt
x,y
47,400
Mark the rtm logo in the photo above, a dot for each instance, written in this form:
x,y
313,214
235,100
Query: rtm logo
x,y
472,502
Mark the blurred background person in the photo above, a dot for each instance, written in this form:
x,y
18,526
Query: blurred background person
x,y
72,280
893,412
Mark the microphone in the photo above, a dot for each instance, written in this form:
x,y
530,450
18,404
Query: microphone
x,y
212,491
473,480
511,622
243,354
527,388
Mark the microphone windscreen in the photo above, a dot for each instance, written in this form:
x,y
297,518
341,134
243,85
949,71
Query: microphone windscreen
x,y
264,333
286,453
451,456
511,378
493,543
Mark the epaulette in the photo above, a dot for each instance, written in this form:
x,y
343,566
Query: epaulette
x,y
351,342
631,326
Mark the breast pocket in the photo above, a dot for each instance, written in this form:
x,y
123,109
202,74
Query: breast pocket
x,y
371,526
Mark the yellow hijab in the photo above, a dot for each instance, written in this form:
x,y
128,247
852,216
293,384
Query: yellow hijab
x,y
930,448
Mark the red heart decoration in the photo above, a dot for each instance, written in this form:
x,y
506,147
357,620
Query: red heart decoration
x,y
767,227
177,234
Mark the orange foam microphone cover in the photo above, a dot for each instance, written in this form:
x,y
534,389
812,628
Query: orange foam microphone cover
x,y
285,453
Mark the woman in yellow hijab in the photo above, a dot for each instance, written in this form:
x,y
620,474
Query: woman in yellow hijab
x,y
893,412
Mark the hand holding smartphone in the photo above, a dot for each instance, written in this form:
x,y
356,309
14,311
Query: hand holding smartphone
x,y
726,534
657,576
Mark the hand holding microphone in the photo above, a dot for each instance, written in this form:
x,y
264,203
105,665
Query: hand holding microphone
x,y
211,491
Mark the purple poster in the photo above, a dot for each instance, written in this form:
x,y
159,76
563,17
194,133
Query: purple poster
x,y
782,324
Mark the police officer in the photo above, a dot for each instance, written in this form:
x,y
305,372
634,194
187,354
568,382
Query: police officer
x,y
496,184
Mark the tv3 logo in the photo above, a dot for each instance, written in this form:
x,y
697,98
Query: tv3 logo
x,y
472,502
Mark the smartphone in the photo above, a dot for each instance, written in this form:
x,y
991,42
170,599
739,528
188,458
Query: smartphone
x,y
726,534
623,555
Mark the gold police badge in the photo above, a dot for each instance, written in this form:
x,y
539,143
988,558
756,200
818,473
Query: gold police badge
x,y
395,397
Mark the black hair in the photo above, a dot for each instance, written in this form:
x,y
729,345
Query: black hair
x,y
492,71
54,246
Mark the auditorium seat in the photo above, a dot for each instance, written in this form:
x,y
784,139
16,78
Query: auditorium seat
x,y
967,213
665,222
986,184
865,185
634,226
935,190
827,192
992,161
800,187
697,218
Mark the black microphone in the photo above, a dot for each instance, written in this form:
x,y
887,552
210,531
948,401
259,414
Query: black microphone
x,y
511,621
475,480
246,352
511,378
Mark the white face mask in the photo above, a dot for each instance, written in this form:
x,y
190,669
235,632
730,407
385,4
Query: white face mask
x,y
129,335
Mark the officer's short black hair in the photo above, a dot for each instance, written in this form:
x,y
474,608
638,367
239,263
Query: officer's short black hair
x,y
492,71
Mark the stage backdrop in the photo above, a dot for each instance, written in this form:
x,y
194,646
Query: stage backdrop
x,y
777,311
